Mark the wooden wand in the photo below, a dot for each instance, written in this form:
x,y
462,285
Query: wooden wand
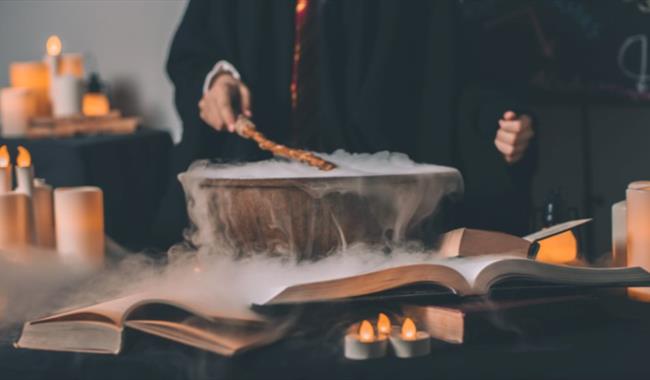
x,y
246,129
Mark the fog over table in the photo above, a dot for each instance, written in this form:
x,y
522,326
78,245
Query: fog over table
x,y
284,209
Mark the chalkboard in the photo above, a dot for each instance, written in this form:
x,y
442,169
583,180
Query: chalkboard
x,y
595,47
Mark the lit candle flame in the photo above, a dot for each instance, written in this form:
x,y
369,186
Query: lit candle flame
x,y
301,5
53,46
366,332
383,324
408,329
5,160
24,159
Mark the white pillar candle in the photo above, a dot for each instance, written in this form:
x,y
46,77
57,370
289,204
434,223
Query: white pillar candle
x,y
17,107
14,219
410,343
364,344
6,171
79,225
43,206
24,172
66,95
619,234
638,231
53,47
25,185
73,64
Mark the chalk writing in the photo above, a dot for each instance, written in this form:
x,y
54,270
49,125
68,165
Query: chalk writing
x,y
641,76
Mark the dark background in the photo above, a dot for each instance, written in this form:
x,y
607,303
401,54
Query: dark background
x,y
593,123
567,46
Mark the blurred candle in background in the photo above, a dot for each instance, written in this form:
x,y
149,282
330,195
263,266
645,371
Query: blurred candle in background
x,y
17,107
559,249
72,64
53,48
638,232
65,75
15,234
25,185
66,95
43,204
34,76
95,101
6,171
24,172
79,225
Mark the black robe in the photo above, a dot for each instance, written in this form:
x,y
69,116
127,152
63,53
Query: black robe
x,y
388,81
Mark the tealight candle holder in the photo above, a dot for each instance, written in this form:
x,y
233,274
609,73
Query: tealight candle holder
x,y
365,344
410,343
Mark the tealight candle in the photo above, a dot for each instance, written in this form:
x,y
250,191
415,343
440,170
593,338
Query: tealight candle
x,y
6,171
365,344
410,343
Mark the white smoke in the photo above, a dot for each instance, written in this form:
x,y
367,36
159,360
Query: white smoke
x,y
290,210
206,268
349,165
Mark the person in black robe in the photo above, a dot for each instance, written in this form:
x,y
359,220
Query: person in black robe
x,y
389,78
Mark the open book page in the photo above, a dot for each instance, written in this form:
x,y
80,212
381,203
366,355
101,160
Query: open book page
x,y
197,301
555,230
461,275
224,339
98,328
110,312
457,274
522,269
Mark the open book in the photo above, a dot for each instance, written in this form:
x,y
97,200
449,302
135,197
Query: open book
x,y
184,318
483,320
471,242
463,276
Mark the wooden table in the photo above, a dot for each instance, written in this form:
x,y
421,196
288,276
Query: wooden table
x,y
616,350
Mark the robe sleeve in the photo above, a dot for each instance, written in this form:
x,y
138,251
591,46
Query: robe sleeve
x,y
192,55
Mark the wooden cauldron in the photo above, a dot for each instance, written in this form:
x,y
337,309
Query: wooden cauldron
x,y
310,218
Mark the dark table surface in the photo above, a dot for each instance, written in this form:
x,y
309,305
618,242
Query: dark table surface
x,y
132,170
615,349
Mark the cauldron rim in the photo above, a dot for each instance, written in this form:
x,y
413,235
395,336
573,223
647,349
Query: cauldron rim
x,y
293,181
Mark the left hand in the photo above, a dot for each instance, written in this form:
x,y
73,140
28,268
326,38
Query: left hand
x,y
513,136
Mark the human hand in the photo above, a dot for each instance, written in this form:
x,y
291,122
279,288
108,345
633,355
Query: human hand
x,y
513,136
217,107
